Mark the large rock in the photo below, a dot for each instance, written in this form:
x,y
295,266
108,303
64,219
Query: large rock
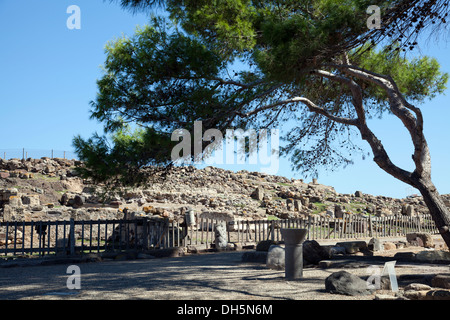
x,y
313,252
333,251
221,238
433,256
407,210
417,287
439,294
79,201
420,239
389,246
405,256
298,205
383,212
275,257
15,201
359,194
264,245
338,212
11,213
353,246
258,194
31,200
441,281
5,194
64,199
343,282
375,245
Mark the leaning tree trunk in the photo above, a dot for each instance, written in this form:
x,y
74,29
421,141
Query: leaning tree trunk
x,y
438,210
412,119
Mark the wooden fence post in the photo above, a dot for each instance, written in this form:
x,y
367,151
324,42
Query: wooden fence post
x,y
145,229
272,230
72,237
309,227
159,233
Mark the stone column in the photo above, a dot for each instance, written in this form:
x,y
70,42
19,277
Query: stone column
x,y
293,239
190,218
221,238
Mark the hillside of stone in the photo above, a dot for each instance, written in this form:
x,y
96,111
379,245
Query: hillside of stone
x,y
49,189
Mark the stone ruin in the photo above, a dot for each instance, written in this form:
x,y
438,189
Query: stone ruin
x,y
50,189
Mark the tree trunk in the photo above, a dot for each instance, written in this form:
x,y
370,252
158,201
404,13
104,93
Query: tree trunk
x,y
438,210
411,118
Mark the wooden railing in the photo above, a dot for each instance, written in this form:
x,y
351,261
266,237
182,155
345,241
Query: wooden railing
x,y
72,237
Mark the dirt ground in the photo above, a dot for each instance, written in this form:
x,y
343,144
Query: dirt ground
x,y
211,276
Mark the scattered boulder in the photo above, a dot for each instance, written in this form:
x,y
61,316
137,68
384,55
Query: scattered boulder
x,y
15,201
353,246
304,201
31,200
298,205
64,201
417,287
421,239
383,212
221,238
375,245
386,297
438,294
258,194
4,175
6,193
338,212
389,246
343,282
401,244
427,294
115,204
329,213
405,256
275,257
264,245
78,201
407,210
441,281
333,251
433,256
410,210
313,252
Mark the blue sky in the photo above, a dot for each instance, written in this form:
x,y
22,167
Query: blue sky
x,y
48,76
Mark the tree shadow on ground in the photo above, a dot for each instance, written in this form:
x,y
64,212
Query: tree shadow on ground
x,y
201,276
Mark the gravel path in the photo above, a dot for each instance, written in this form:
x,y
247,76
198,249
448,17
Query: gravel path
x,y
213,276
